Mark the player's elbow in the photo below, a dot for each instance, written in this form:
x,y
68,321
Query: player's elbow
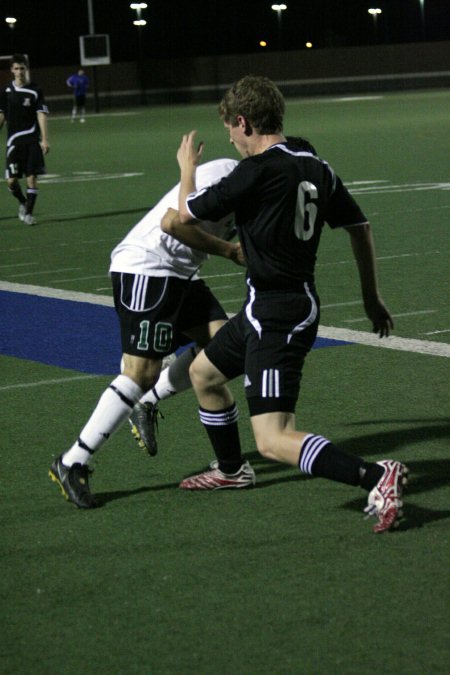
x,y
359,231
166,227
186,217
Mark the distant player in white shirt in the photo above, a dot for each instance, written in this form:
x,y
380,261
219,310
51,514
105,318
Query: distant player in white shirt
x,y
161,304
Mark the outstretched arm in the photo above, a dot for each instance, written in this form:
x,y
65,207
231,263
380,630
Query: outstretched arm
x,y
195,237
364,252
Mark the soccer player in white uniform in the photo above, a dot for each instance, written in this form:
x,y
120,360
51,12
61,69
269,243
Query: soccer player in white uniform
x,y
161,304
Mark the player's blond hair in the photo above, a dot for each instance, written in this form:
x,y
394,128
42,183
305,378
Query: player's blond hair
x,y
258,100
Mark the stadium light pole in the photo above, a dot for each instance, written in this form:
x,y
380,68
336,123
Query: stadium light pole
x,y
11,21
279,9
139,22
94,68
422,19
375,11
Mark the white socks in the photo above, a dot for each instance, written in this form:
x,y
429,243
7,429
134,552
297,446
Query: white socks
x,y
117,401
173,379
113,408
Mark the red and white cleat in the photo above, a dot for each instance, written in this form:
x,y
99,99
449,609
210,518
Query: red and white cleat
x,y
215,479
384,500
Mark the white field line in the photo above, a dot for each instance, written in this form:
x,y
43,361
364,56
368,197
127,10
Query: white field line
x,y
437,332
380,258
40,383
394,316
406,187
372,340
36,274
219,276
230,300
358,337
59,294
60,244
93,116
341,304
18,265
364,182
66,281
351,99
84,179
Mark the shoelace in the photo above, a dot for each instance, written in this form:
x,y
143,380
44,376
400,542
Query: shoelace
x,y
155,413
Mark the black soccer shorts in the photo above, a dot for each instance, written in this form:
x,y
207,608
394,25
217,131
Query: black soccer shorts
x,y
267,342
25,159
154,312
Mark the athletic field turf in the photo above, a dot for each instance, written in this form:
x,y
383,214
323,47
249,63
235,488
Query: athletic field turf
x,y
286,578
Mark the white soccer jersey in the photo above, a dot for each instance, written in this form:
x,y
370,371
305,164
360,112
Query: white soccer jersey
x,y
148,250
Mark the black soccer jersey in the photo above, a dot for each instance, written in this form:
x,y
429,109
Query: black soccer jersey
x,y
20,106
281,199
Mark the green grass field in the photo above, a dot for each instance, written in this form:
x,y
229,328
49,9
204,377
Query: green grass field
x,y
286,578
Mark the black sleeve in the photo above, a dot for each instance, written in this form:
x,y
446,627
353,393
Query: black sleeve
x,y
342,209
221,199
3,100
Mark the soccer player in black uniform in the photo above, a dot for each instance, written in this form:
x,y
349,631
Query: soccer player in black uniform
x,y
23,107
281,195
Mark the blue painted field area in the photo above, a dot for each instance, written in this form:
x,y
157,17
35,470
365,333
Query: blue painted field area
x,y
76,335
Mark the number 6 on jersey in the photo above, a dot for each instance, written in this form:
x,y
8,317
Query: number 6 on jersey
x,y
306,211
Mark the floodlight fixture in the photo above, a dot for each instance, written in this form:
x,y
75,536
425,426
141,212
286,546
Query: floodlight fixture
x,y
279,9
375,12
139,22
11,21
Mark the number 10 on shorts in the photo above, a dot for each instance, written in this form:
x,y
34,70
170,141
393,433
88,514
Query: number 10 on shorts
x,y
162,339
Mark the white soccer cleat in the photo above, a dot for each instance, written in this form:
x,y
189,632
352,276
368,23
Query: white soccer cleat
x,y
30,219
22,212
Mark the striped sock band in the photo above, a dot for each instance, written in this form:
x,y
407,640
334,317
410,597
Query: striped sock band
x,y
221,418
320,458
222,429
311,448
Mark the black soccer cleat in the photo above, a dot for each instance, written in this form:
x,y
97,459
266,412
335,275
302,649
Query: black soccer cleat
x,y
144,424
74,483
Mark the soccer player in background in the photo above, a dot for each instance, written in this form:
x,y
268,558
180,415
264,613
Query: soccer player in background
x,y
23,107
79,83
281,196
161,303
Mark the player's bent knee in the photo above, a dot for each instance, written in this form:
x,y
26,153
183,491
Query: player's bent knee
x,y
204,375
197,375
267,447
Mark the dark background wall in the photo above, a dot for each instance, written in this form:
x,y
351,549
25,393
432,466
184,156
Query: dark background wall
x,y
306,72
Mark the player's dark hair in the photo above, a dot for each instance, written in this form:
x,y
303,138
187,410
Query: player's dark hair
x,y
258,100
18,58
